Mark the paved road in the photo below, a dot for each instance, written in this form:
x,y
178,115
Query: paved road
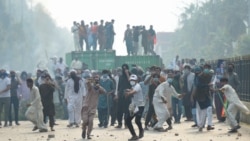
x,y
184,130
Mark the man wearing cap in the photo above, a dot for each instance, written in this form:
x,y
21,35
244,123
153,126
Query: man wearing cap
x,y
136,107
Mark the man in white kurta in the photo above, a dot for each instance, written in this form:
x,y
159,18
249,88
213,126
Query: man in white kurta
x,y
161,102
234,105
74,99
34,112
75,31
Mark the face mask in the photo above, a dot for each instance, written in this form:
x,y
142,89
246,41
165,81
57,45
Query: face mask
x,y
105,76
177,76
170,80
206,71
156,80
119,73
132,83
219,76
230,69
185,71
147,73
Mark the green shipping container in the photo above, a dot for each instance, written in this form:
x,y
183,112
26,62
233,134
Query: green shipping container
x,y
143,61
94,60
99,60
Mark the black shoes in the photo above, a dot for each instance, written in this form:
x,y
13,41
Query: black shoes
x,y
83,134
52,129
160,129
134,138
234,130
195,125
100,125
209,127
43,130
141,134
169,128
118,126
35,128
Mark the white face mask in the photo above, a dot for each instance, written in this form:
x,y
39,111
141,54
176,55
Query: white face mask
x,y
132,83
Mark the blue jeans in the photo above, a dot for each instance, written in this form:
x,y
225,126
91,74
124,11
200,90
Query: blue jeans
x,y
177,109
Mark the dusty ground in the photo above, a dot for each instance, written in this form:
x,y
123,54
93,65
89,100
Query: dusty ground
x,y
185,133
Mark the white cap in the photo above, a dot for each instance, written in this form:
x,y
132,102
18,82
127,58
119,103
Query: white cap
x,y
73,70
133,77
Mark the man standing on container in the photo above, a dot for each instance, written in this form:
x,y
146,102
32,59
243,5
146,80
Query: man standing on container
x,y
75,31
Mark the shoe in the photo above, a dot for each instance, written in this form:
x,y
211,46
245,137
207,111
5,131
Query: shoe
x,y
112,124
5,125
134,138
160,129
56,124
35,128
99,125
189,119
83,134
177,122
146,128
77,126
141,134
89,138
52,129
195,125
118,126
105,126
43,130
70,125
200,129
238,127
233,131
126,127
10,124
209,127
169,128
17,123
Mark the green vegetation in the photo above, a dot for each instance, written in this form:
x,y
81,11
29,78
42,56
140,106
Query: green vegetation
x,y
213,29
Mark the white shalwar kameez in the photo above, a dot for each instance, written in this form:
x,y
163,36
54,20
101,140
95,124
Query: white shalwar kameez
x,y
234,105
34,112
74,100
75,31
163,91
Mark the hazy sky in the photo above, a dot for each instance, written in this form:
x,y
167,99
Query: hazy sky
x,y
162,14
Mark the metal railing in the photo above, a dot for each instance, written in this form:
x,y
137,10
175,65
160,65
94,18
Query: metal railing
x,y
242,68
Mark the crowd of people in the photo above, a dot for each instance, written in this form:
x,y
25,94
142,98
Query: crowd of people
x,y
93,34
139,36
102,35
185,88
